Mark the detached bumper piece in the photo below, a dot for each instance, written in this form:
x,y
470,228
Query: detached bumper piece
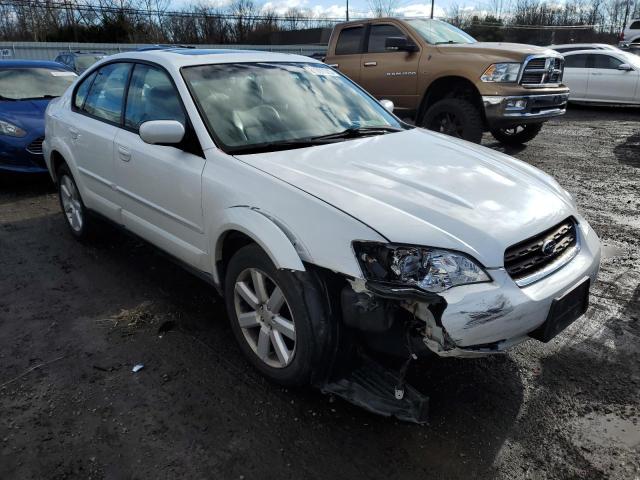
x,y
381,391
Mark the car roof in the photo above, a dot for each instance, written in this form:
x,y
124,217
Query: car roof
x,y
31,64
592,51
565,45
182,57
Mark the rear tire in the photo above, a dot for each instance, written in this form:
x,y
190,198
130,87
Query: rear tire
x,y
518,134
455,117
280,318
75,213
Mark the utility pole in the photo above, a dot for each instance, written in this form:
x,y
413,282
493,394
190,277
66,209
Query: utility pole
x,y
432,2
347,10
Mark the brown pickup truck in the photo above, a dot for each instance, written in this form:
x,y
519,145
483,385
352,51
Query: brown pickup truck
x,y
448,82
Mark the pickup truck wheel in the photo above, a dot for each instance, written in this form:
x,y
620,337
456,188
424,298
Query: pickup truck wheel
x,y
455,117
278,318
517,134
75,213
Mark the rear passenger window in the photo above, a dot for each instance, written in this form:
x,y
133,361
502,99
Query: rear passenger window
x,y
81,92
635,26
576,61
152,96
349,41
606,61
379,35
106,95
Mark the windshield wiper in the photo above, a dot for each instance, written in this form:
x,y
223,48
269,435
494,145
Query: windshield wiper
x,y
42,97
352,132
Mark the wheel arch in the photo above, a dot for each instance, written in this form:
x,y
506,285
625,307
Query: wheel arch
x,y
243,225
450,86
56,160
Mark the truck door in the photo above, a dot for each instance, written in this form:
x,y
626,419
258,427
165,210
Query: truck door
x,y
348,51
387,73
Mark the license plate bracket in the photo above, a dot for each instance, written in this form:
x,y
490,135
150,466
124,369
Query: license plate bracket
x,y
563,312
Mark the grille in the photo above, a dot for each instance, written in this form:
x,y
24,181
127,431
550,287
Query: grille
x,y
540,71
540,255
35,147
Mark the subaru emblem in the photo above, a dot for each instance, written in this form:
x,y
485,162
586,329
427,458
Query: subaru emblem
x,y
549,247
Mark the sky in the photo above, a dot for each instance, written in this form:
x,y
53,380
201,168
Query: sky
x,y
357,8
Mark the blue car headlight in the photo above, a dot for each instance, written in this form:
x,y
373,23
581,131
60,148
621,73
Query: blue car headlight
x,y
426,268
11,130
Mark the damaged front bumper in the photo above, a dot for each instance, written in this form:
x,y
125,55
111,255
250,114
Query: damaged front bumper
x,y
466,321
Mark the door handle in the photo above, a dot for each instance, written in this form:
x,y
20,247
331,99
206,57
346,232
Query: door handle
x,y
74,133
370,64
596,73
124,153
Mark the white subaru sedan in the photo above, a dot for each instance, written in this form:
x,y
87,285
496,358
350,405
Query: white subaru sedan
x,y
323,220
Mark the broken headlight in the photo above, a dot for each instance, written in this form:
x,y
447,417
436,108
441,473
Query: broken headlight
x,y
430,269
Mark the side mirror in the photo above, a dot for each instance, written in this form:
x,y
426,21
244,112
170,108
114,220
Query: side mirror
x,y
387,104
162,132
399,44
625,67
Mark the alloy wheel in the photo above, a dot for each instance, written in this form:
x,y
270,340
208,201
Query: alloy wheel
x,y
512,131
71,203
447,123
265,318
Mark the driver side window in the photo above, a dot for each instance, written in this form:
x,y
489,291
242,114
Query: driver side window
x,y
378,36
151,96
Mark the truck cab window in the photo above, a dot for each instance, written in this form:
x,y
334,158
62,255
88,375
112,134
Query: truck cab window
x,y
349,41
378,36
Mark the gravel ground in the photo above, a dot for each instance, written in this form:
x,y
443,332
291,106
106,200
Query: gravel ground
x,y
74,319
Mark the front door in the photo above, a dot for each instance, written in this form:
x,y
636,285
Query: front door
x,y
392,75
159,186
607,83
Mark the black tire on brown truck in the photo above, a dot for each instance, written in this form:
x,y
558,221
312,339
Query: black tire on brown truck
x,y
518,134
456,117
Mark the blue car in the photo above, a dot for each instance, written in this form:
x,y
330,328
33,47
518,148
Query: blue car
x,y
26,88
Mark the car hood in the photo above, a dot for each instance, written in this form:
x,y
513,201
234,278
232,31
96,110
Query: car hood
x,y
423,188
26,114
495,51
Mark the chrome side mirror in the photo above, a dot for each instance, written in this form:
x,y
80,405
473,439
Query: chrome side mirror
x,y
387,104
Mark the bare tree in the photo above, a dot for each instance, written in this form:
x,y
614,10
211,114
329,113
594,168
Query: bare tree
x,y
383,8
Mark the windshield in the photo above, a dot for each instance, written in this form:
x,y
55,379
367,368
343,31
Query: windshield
x,y
85,61
33,83
632,59
251,104
436,32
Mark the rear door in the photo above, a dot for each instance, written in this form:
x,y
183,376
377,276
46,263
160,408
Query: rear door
x,y
390,74
96,114
576,75
348,51
160,186
608,84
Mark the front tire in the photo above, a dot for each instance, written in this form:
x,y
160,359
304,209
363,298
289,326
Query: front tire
x,y
75,213
279,318
518,134
455,117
